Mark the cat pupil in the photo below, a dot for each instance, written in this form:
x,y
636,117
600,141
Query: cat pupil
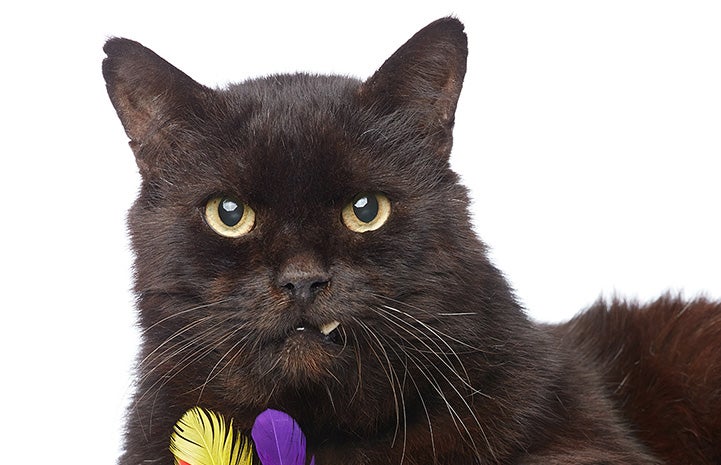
x,y
366,208
230,212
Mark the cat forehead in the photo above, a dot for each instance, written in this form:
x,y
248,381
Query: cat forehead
x,y
296,129
283,138
291,99
303,86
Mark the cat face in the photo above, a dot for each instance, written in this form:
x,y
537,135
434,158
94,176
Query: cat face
x,y
300,237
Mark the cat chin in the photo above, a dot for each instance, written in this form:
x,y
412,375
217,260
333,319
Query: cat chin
x,y
304,356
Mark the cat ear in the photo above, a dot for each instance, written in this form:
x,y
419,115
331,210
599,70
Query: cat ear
x,y
424,76
151,97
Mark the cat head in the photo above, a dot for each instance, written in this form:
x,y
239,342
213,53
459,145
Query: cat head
x,y
301,238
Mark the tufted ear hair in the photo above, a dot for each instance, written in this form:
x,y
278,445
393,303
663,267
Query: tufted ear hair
x,y
425,75
152,98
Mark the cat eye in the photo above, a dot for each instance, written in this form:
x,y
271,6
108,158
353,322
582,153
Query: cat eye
x,y
229,217
366,212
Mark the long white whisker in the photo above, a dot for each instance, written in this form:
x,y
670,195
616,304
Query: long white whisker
x,y
389,372
211,376
428,417
179,348
406,374
433,340
455,416
175,335
183,312
392,324
359,365
440,333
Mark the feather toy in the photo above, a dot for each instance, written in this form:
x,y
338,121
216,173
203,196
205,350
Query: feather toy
x,y
201,437
279,439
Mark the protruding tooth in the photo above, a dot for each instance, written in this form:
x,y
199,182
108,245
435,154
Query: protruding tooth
x,y
327,328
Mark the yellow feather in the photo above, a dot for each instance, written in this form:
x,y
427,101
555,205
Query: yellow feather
x,y
201,437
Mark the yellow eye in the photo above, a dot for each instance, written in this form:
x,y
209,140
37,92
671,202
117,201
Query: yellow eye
x,y
229,217
366,212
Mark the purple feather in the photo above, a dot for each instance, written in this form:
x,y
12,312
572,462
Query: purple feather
x,y
278,439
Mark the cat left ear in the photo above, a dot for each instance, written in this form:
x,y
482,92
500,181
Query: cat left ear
x,y
425,76
151,97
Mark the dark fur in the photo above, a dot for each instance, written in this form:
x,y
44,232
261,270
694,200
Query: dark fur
x,y
437,364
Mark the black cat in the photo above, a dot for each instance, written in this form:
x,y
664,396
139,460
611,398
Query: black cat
x,y
302,244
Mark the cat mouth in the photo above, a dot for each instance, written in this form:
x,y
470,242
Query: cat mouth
x,y
328,331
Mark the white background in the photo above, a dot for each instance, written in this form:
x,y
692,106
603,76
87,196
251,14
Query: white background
x,y
588,132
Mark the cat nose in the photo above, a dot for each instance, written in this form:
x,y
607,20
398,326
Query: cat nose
x,y
305,288
302,279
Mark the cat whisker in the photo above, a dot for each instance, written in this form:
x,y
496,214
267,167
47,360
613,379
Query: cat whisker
x,y
272,367
455,416
406,374
183,312
433,382
403,325
419,310
173,371
330,373
169,376
186,352
330,394
211,376
359,365
397,324
439,335
428,417
345,340
179,348
188,360
176,335
386,366
457,314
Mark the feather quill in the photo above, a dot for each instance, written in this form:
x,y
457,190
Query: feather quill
x,y
279,439
201,437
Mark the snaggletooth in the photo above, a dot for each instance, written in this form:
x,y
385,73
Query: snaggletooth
x,y
328,327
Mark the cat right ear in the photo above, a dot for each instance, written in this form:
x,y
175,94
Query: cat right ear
x,y
151,97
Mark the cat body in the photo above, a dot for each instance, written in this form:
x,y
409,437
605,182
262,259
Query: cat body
x,y
302,244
